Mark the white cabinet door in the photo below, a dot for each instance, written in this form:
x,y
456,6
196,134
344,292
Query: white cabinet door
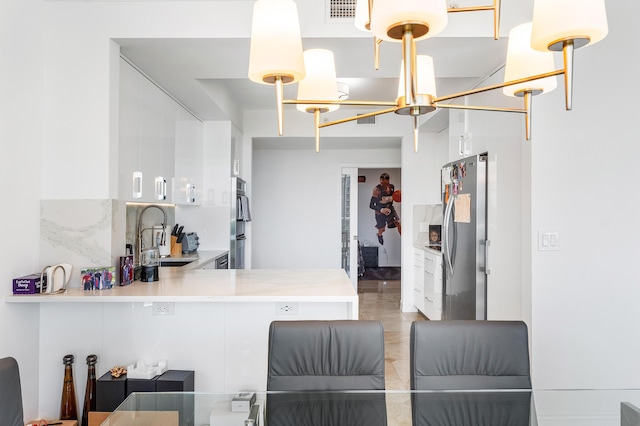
x,y
433,284
146,139
418,279
189,152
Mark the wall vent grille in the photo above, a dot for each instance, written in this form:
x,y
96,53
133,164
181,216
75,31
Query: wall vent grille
x,y
366,120
341,9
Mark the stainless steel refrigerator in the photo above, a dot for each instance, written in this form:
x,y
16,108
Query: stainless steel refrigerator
x,y
464,239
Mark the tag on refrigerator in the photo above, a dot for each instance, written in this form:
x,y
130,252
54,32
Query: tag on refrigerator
x,y
462,210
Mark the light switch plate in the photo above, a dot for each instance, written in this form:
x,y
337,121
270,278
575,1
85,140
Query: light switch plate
x,y
548,241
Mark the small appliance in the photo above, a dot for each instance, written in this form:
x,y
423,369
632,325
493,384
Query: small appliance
x,y
190,242
150,261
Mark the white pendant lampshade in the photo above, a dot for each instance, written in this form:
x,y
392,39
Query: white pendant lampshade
x,y
523,61
429,17
557,20
361,19
320,83
425,75
276,46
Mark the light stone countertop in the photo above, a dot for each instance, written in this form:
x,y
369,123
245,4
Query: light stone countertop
x,y
189,284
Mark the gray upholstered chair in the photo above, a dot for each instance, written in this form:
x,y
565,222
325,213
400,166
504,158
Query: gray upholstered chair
x,y
325,355
318,359
459,355
10,393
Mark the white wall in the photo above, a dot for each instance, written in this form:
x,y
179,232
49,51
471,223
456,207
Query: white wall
x,y
585,297
20,171
296,205
420,185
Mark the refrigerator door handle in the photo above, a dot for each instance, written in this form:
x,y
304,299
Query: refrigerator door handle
x,y
447,245
487,267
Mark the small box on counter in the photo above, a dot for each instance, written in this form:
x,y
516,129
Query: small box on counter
x,y
243,402
175,381
110,391
29,284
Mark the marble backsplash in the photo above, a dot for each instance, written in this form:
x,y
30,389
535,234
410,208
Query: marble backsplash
x,y
91,233
84,233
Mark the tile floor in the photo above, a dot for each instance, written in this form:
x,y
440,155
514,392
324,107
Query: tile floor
x,y
380,300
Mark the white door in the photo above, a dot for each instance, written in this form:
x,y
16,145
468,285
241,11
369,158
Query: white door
x,y
350,223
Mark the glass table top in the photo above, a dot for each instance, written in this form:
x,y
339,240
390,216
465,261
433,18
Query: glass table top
x,y
391,408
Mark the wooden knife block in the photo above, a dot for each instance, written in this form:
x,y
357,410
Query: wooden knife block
x,y
176,247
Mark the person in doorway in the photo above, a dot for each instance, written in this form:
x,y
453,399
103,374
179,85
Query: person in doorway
x,y
382,203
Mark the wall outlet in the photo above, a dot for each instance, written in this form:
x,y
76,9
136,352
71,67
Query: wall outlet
x,y
286,308
162,308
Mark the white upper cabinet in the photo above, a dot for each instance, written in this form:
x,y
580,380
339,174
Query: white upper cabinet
x,y
188,160
160,149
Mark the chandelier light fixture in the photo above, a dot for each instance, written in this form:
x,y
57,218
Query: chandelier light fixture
x,y
277,58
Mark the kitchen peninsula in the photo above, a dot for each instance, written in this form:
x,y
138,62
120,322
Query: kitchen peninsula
x,y
213,321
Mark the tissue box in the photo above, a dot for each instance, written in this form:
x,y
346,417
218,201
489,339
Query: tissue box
x,y
29,284
243,402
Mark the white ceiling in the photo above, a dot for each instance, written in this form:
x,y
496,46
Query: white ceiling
x,y
200,72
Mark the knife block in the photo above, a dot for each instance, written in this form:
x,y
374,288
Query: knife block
x,y
176,247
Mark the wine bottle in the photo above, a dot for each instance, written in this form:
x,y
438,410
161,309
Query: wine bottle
x,y
90,392
68,405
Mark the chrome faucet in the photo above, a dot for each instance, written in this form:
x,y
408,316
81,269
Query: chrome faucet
x,y
140,229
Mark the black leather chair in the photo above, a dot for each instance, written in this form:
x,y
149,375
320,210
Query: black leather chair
x,y
10,393
326,355
310,359
469,355
464,355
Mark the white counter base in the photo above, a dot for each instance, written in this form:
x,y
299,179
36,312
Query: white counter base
x,y
219,326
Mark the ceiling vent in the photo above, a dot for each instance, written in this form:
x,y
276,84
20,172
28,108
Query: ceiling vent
x,y
367,120
341,10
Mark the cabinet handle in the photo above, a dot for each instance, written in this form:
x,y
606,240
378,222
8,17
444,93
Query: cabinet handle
x,y
137,185
191,193
161,188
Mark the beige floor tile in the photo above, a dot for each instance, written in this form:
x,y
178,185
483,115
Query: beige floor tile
x,y
380,300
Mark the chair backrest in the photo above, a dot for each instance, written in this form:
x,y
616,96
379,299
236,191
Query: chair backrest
x,y
469,355
326,355
10,393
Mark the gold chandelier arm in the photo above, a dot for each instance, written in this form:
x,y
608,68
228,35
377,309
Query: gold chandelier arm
x,y
481,108
409,57
357,117
347,103
376,52
496,14
527,118
496,19
280,110
567,54
415,133
316,124
498,86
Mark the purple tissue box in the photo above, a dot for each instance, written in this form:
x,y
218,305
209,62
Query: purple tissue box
x,y
29,284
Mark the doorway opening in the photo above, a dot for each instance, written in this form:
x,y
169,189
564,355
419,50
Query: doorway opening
x,y
372,228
